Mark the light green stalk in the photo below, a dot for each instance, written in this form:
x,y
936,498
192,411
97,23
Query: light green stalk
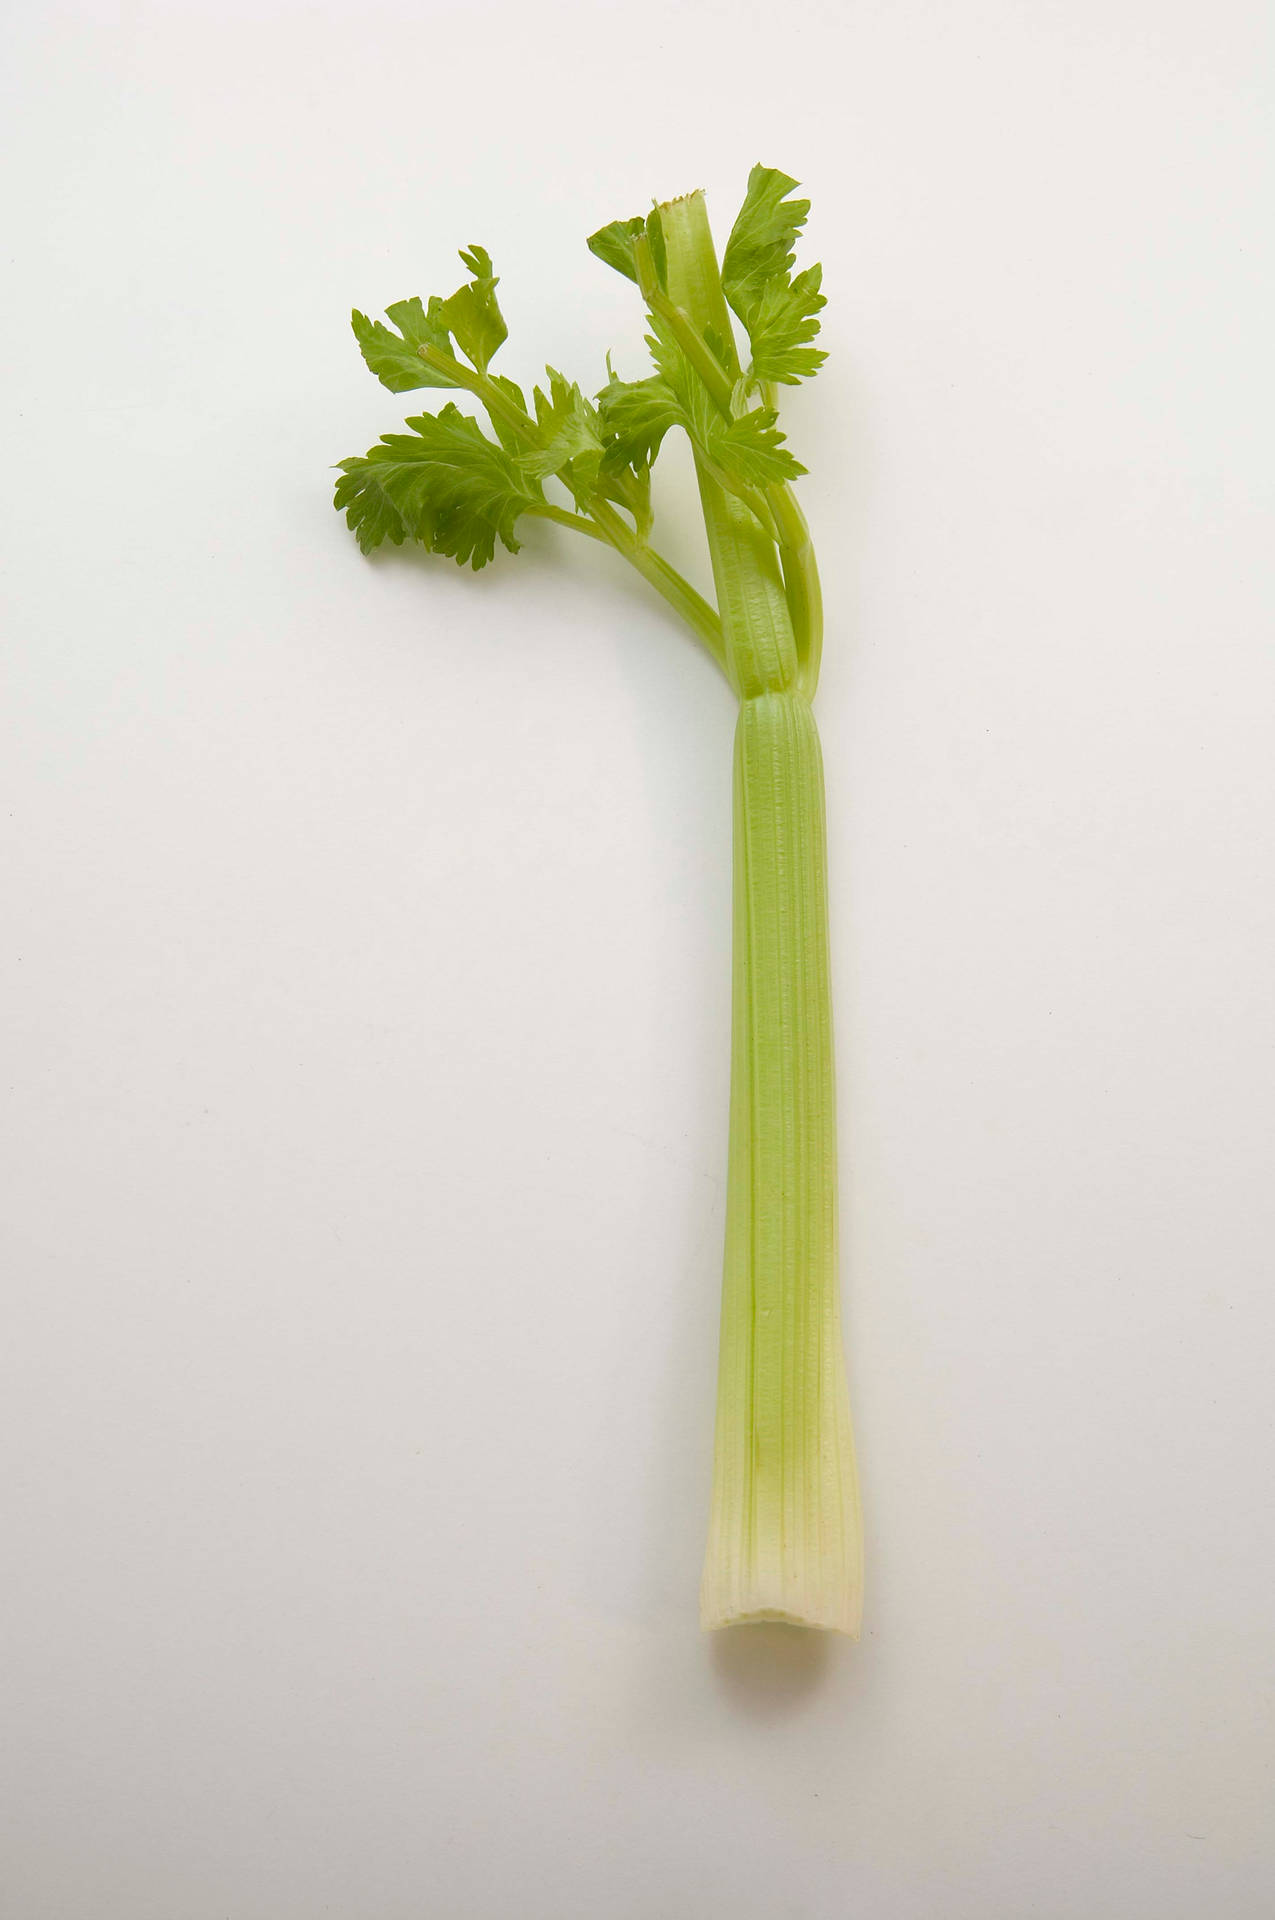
x,y
785,1533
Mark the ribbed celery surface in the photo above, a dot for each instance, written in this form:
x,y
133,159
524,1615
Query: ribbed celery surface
x,y
784,1527
784,1532
784,1538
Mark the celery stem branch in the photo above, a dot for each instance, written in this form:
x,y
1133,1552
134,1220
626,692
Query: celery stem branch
x,y
775,507
602,521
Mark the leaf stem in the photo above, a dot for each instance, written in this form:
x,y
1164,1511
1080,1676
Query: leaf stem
x,y
667,581
776,508
481,384
563,517
801,584
606,522
696,348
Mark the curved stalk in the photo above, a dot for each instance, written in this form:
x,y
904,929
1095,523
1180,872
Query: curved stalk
x,y
653,567
801,575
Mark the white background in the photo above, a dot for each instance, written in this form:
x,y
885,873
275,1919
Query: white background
x,y
365,963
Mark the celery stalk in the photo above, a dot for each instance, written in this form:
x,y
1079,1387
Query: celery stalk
x,y
784,1531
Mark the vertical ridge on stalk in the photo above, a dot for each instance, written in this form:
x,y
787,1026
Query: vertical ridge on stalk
x,y
784,1533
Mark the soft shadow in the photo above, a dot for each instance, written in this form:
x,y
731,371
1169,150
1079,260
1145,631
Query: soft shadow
x,y
769,1669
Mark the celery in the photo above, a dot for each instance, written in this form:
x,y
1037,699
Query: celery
x,y
784,1532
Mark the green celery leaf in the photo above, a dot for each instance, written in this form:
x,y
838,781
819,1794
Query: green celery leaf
x,y
778,310
630,488
697,410
673,366
635,416
748,451
472,315
751,449
763,238
451,488
392,357
722,351
368,512
614,244
782,326
571,443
